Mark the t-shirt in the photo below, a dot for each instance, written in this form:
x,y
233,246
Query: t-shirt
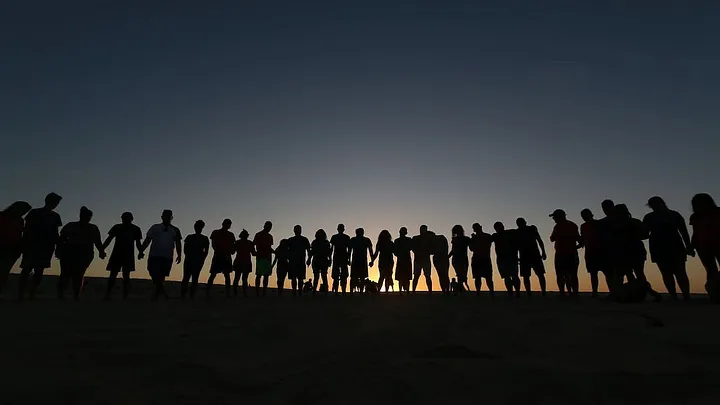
x,y
506,244
402,248
11,230
706,230
460,245
664,233
244,249
424,245
297,246
589,235
126,236
527,240
566,235
163,239
263,245
223,242
196,246
360,246
80,236
480,244
341,243
628,239
320,249
41,226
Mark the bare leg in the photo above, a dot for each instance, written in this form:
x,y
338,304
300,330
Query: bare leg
x,y
594,282
265,285
257,285
416,280
343,285
194,280
37,278
210,282
227,284
325,281
478,285
184,284
281,285
428,281
516,283
77,282
491,286
22,283
561,283
111,283
683,282
126,284
543,283
245,284
528,288
63,281
236,283
669,282
293,284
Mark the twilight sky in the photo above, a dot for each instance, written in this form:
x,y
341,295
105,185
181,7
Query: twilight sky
x,y
378,114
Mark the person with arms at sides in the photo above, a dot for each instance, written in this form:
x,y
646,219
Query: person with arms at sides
x,y
127,237
359,248
422,247
75,250
340,243
441,260
669,242
629,250
298,247
244,251
531,259
705,221
480,245
283,265
605,228
197,248
459,254
403,270
594,262
566,237
263,242
506,256
223,243
40,237
164,240
385,249
320,258
11,230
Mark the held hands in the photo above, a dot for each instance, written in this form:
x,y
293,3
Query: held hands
x,y
308,262
102,255
141,255
178,260
544,256
691,252
371,263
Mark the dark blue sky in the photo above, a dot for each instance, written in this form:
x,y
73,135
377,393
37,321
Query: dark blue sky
x,y
375,114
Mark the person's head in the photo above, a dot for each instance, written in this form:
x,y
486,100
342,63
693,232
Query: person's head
x,y
586,215
244,234
458,230
702,203
499,227
403,231
341,228
226,224
608,207
320,234
621,210
558,216
423,229
85,214
52,200
656,203
127,218
521,222
384,236
199,226
297,230
268,226
477,228
360,232
167,217
283,243
18,208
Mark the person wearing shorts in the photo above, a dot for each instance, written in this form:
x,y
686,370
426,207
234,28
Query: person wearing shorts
x,y
480,245
340,244
164,240
422,247
263,242
197,248
594,257
244,251
566,237
359,248
506,252
40,237
223,243
298,250
403,267
127,237
531,259
320,258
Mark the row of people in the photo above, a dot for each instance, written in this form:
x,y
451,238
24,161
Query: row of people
x,y
613,246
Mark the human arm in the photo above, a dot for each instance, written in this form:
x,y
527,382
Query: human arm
x,y
110,237
97,241
372,254
146,242
178,246
541,244
685,236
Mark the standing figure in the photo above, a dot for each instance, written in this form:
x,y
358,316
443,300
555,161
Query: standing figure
x,y
320,255
127,237
480,245
629,252
531,259
298,247
340,243
403,270
359,248
283,266
441,260
594,256
263,242
244,251
423,246
164,241
566,237
606,239
506,256
705,221
223,243
459,254
11,232
76,250
385,249
197,248
40,237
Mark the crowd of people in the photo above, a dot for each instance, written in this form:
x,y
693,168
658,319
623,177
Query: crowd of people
x,y
613,245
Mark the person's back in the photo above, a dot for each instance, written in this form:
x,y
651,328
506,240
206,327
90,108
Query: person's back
x,y
385,249
481,244
263,242
243,251
164,238
506,246
11,229
340,243
423,245
41,226
403,247
196,247
589,235
126,235
566,236
320,250
706,230
360,245
297,247
526,237
664,233
223,242
80,237
440,251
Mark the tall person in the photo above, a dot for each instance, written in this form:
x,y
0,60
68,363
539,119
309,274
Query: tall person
x,y
629,252
566,237
197,248
223,243
11,230
441,261
340,243
594,256
385,249
263,242
423,246
283,265
244,251
606,239
299,247
403,269
320,255
164,241
40,238
531,259
459,253
127,237
360,246
506,256
480,245
76,251
705,221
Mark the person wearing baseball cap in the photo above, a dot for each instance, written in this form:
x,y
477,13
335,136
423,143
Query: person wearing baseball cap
x,y
567,240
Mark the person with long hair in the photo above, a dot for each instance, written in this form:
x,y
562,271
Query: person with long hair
x,y
281,261
40,238
244,251
11,231
403,270
385,250
705,221
320,259
480,245
76,251
127,237
459,254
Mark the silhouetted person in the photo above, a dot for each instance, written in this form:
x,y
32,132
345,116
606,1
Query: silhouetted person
x,y
422,247
283,265
263,242
11,232
480,245
566,237
531,259
441,260
127,237
320,256
360,246
629,250
606,242
403,268
454,286
669,242
506,253
340,243
197,248
40,237
459,254
385,250
705,221
244,251
164,240
223,244
76,250
299,248
595,260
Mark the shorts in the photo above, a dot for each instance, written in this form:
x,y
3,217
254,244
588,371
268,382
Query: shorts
x,y
528,264
386,269
37,256
320,268
359,270
566,264
119,263
263,267
422,266
192,268
298,270
339,268
481,267
243,267
221,264
159,266
403,270
461,265
508,267
594,263
282,269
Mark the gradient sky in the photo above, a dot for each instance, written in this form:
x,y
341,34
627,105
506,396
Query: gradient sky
x,y
378,114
